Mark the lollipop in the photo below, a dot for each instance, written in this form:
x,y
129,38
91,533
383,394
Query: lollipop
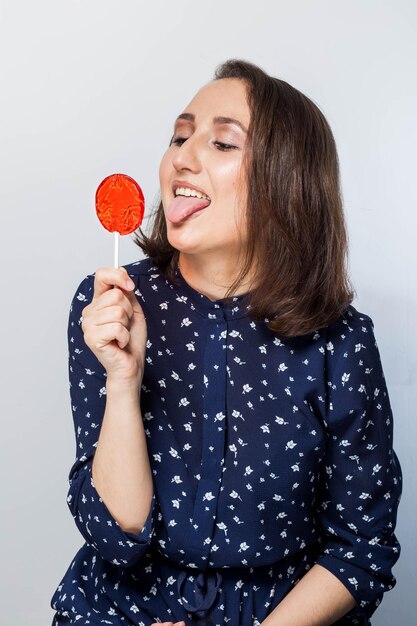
x,y
119,206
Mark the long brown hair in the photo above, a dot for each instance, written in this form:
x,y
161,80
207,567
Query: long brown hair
x,y
297,240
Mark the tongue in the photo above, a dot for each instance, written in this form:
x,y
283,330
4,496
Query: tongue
x,y
184,206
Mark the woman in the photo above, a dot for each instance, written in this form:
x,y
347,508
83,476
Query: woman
x,y
234,431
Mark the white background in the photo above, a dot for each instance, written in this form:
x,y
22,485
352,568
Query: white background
x,y
88,88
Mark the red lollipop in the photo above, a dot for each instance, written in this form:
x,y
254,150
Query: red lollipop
x,y
119,206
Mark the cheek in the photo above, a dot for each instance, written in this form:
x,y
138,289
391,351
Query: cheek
x,y
227,185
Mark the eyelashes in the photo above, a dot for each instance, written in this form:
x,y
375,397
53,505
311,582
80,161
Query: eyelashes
x,y
224,147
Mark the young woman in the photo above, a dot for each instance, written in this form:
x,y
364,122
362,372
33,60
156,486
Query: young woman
x,y
233,426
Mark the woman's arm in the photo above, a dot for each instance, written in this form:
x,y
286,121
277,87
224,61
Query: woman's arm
x,y
107,423
318,599
121,469
115,330
359,491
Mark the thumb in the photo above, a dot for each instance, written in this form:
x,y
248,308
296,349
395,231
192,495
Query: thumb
x,y
129,292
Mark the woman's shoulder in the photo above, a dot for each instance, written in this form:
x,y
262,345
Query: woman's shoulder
x,y
352,318
349,327
351,338
143,267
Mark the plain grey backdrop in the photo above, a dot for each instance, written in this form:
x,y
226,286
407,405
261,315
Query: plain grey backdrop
x,y
89,88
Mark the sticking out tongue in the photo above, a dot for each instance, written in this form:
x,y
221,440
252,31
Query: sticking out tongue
x,y
184,206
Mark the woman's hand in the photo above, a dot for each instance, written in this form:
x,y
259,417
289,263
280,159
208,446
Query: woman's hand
x,y
114,326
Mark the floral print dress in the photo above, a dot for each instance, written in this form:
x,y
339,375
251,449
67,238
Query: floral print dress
x,y
267,456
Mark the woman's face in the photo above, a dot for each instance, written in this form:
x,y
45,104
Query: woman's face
x,y
206,152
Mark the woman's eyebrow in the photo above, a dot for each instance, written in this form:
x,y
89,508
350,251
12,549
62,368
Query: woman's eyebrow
x,y
229,120
220,119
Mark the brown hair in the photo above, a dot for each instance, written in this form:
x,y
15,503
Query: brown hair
x,y
297,240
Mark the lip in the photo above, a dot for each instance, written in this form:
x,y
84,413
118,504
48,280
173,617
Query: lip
x,y
184,183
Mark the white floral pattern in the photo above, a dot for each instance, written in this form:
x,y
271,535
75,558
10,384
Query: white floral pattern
x,y
267,456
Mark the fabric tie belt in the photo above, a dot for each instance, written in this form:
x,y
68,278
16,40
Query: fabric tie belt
x,y
205,591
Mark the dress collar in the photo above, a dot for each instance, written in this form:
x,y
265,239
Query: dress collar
x,y
229,308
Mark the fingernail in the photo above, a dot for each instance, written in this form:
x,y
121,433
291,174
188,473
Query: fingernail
x,y
130,284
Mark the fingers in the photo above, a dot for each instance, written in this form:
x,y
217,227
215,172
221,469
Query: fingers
x,y
99,336
107,277
119,302
111,314
114,297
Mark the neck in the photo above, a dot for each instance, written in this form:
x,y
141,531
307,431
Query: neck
x,y
212,276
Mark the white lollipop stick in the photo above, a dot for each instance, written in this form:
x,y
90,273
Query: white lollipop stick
x,y
116,249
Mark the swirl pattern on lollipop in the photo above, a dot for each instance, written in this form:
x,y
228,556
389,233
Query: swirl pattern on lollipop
x,y
120,204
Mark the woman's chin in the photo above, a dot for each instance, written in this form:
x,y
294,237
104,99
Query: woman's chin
x,y
185,242
187,237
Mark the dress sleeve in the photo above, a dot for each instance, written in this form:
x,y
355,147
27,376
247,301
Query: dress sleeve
x,y
361,480
88,398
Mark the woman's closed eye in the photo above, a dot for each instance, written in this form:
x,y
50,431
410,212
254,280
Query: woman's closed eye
x,y
178,141
224,146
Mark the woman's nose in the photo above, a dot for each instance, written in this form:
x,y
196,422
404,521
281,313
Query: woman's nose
x,y
188,156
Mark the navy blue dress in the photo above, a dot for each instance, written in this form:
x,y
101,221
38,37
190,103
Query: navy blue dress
x,y
267,456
